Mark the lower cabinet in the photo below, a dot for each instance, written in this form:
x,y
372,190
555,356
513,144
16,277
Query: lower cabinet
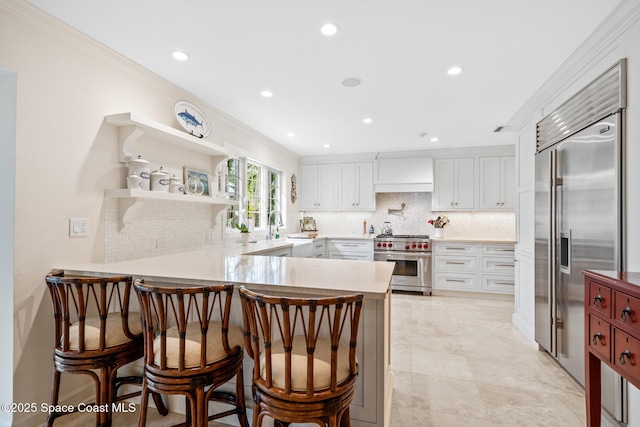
x,y
356,249
278,252
316,248
476,267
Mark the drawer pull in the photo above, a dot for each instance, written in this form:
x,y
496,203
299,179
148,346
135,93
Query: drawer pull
x,y
455,280
624,354
504,265
454,263
625,312
504,250
597,300
597,336
455,249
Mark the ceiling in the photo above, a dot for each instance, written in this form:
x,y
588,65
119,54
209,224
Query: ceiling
x,y
401,50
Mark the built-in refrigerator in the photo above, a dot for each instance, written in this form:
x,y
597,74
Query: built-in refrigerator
x,y
579,220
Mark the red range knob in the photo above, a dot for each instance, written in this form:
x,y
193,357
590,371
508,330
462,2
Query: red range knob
x,y
426,246
407,247
379,244
413,246
420,245
384,245
390,244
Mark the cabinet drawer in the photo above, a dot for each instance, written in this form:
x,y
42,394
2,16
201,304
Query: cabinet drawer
x,y
600,336
626,354
497,265
498,249
499,284
600,298
462,264
351,245
626,310
354,256
460,282
456,248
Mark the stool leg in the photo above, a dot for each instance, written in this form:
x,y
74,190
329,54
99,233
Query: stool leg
x,y
157,399
345,421
144,399
55,390
240,402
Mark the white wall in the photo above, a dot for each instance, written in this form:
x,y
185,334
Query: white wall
x,y
7,182
66,156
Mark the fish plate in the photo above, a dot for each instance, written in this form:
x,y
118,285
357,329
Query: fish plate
x,y
192,119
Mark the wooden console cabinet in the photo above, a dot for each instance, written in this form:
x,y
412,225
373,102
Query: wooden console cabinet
x,y
612,331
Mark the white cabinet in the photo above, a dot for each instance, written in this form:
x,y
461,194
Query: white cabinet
x,y
311,249
355,192
317,187
497,183
286,251
356,249
476,267
453,184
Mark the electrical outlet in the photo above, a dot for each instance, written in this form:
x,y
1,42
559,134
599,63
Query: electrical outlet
x,y
161,243
210,236
78,227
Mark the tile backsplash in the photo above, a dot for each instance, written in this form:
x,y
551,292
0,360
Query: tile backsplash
x,y
417,211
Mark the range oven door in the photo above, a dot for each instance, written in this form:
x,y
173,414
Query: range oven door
x,y
412,272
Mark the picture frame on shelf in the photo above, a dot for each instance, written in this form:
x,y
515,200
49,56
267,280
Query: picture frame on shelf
x,y
197,182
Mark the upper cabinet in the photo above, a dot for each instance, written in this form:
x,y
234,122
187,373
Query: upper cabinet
x,y
317,187
496,183
453,186
355,192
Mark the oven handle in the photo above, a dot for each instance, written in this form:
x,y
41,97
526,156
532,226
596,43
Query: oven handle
x,y
395,256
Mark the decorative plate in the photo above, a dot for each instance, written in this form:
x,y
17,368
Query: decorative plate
x,y
192,119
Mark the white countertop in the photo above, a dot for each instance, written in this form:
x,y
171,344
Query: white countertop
x,y
300,275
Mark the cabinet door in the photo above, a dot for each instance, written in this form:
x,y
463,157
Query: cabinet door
x,y
326,187
443,184
347,184
366,200
490,188
464,180
308,187
508,184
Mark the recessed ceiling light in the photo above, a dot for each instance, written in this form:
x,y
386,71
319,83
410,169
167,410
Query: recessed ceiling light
x,y
327,146
422,134
454,71
266,93
352,82
291,134
179,55
329,29
367,120
434,139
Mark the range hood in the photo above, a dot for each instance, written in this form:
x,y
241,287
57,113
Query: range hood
x,y
403,174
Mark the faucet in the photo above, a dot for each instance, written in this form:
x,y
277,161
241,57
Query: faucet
x,y
270,221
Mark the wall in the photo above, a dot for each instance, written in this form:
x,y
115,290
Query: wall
x,y
499,225
7,182
66,156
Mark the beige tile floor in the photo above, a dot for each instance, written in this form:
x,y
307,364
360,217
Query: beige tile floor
x,y
457,362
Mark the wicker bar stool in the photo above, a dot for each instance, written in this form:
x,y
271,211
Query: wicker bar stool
x,y
192,350
303,371
95,331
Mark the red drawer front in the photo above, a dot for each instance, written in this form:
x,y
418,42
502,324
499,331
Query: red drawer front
x,y
626,310
600,298
600,337
626,354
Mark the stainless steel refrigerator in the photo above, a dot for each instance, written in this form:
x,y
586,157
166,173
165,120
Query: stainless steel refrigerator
x,y
578,225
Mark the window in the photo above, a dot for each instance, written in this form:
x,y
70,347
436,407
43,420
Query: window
x,y
258,190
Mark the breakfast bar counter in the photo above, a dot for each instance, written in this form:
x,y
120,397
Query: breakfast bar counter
x,y
301,277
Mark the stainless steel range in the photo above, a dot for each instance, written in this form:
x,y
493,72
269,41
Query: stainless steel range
x,y
412,255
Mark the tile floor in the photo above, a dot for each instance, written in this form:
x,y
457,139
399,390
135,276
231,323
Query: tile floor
x,y
457,362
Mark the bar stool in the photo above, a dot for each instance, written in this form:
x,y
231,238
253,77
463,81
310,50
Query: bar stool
x,y
94,330
303,371
192,350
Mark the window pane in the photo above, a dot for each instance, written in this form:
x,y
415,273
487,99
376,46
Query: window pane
x,y
254,195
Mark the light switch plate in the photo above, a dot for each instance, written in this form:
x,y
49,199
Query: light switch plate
x,y
78,227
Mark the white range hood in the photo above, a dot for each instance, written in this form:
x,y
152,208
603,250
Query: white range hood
x,y
403,174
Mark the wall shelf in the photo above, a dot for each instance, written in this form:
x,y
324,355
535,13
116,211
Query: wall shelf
x,y
132,127
129,198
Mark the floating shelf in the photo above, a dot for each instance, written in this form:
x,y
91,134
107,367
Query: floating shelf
x,y
128,199
132,127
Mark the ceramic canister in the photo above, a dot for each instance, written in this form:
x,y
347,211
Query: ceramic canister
x,y
141,168
160,180
175,185
134,182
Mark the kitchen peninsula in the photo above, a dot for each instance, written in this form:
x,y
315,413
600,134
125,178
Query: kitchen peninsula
x,y
296,277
